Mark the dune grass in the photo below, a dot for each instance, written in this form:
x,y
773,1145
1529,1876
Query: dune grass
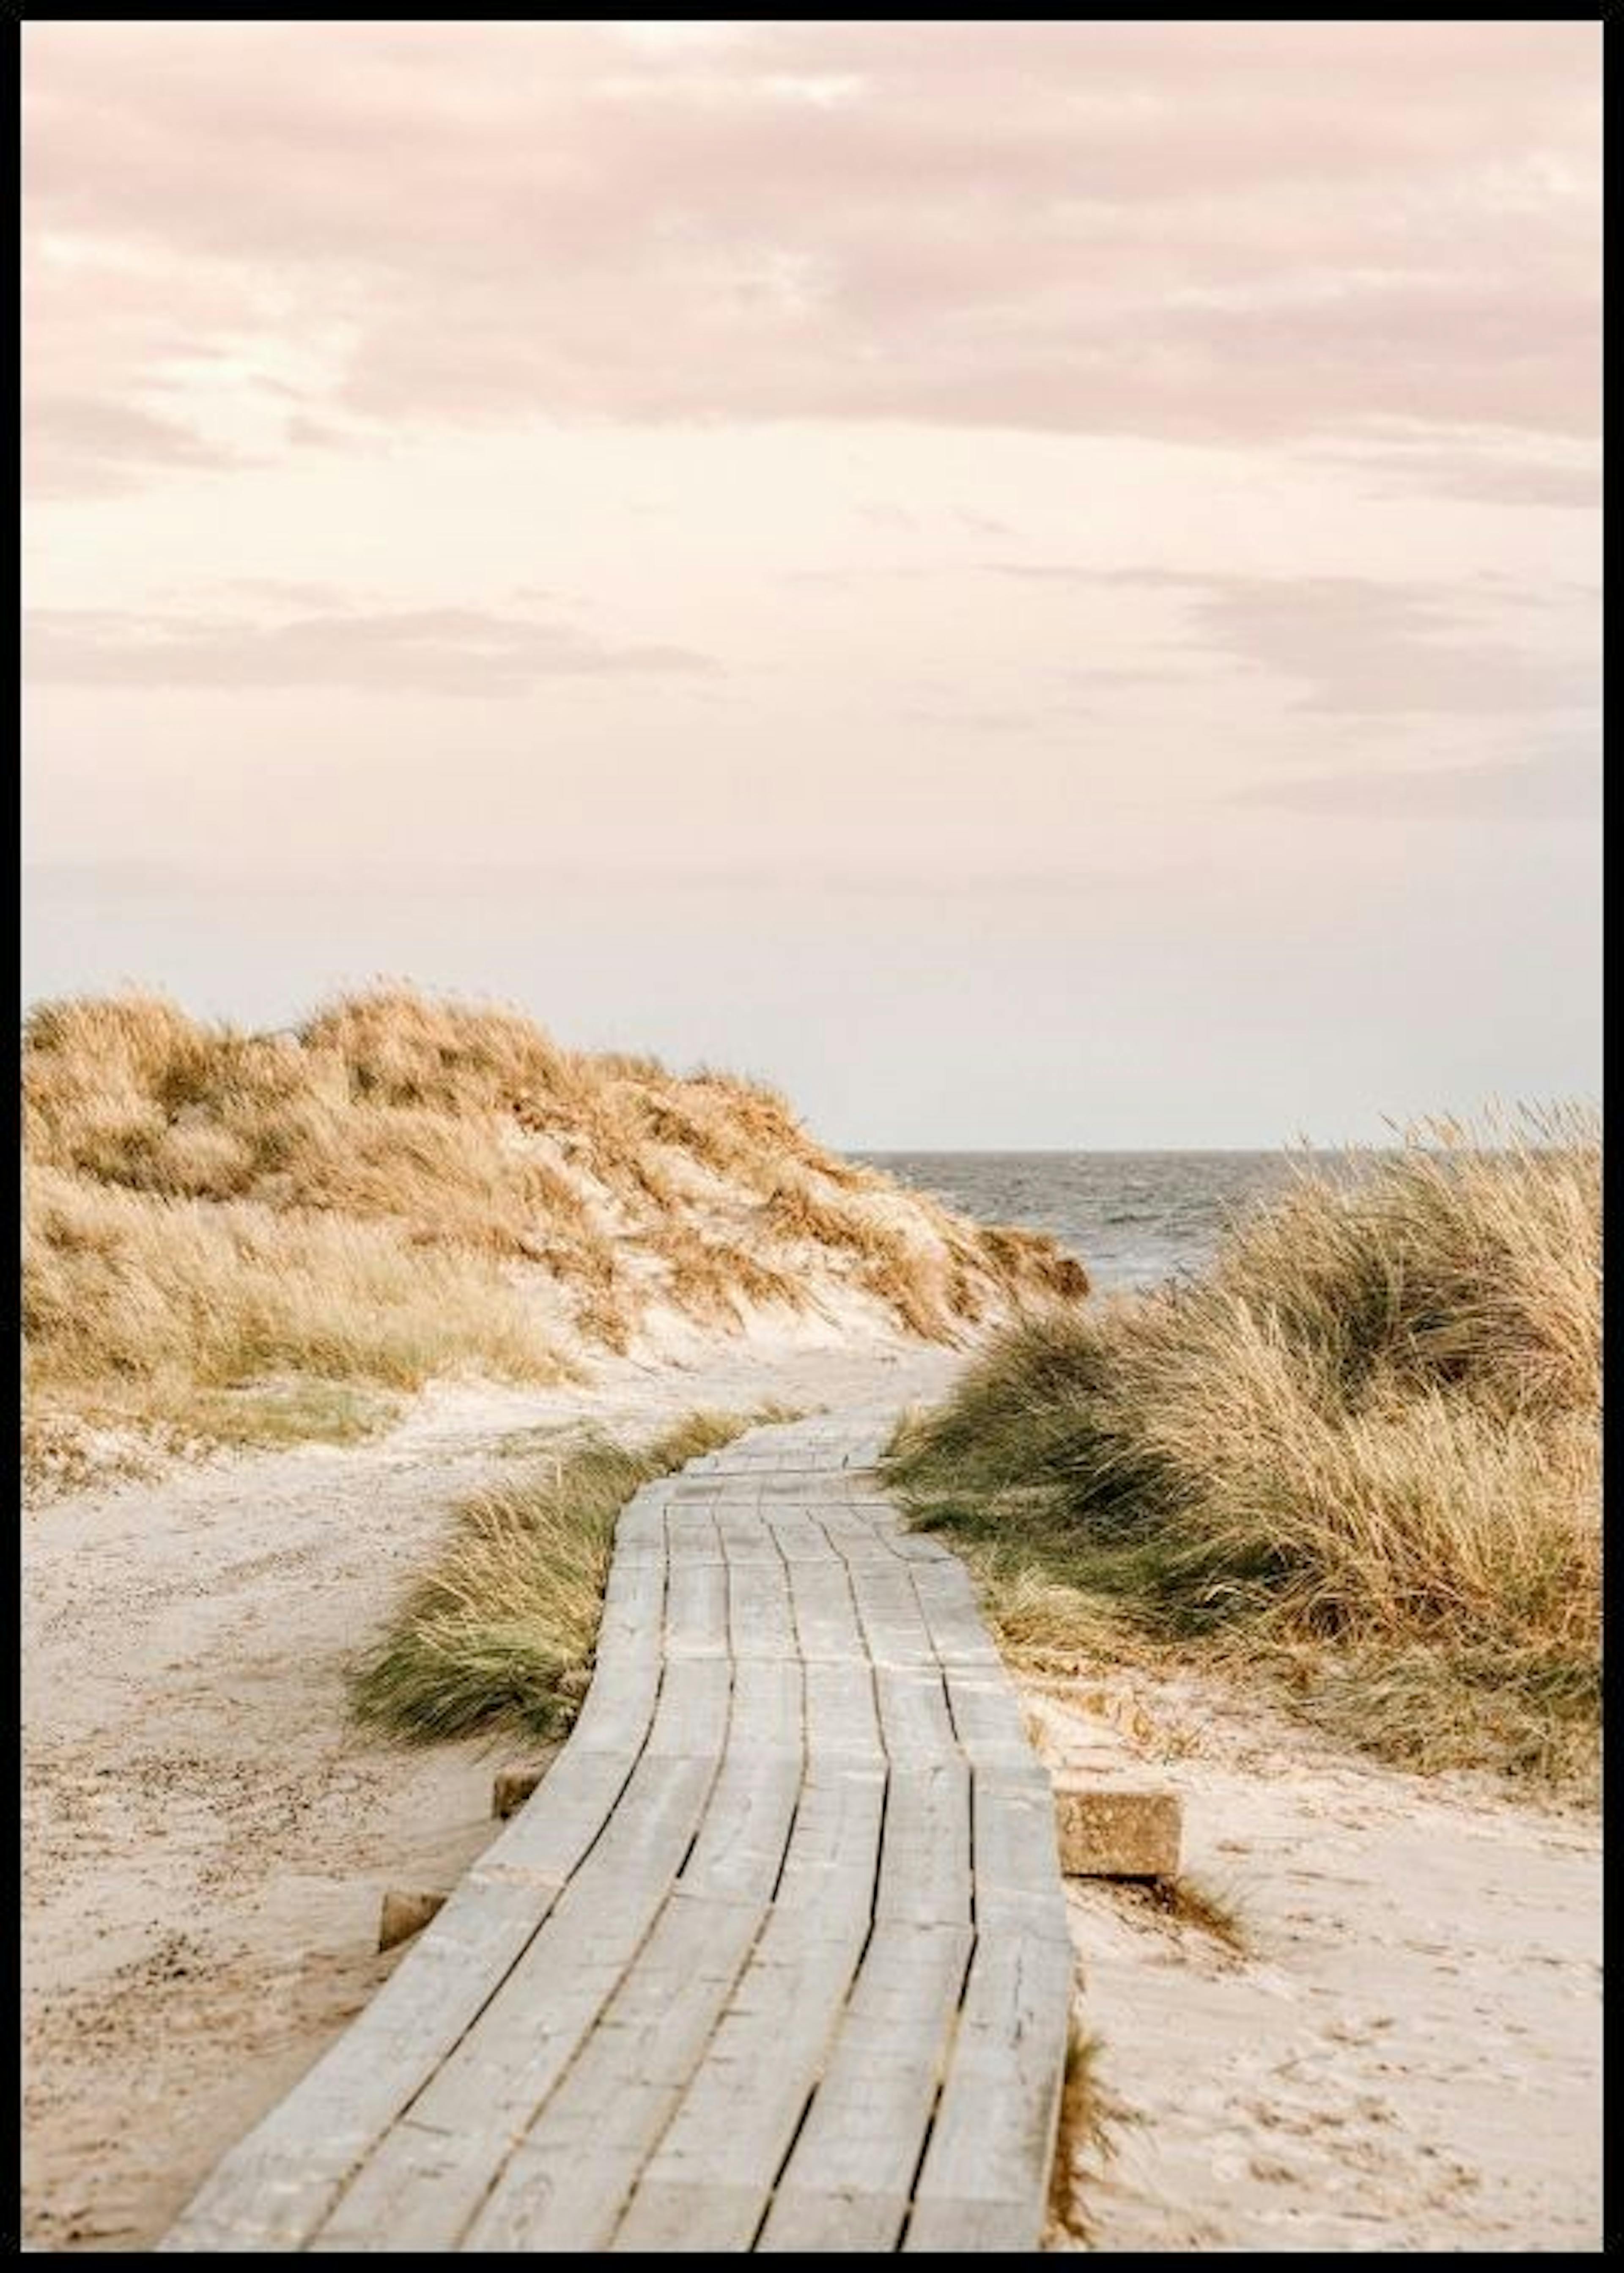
x,y
1361,1451
498,1634
403,1188
1086,2133
1217,1911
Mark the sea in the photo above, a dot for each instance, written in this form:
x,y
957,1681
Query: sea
x,y
1132,1218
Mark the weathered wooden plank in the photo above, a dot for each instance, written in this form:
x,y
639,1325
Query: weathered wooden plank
x,y
633,1617
641,1522
862,2140
825,1618
801,2220
760,1621
842,1723
566,2185
738,2115
696,1611
914,1718
626,1657
768,1711
740,1848
691,1532
1016,1849
689,2216
920,1547
987,1720
836,1844
924,1868
619,1707
423,2184
945,2226
947,1602
546,1842
691,1720
994,2138
889,1611
744,1534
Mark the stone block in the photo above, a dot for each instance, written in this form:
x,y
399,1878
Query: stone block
x,y
1116,1830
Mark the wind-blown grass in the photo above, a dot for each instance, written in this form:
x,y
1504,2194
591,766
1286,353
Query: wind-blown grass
x,y
227,1232
498,1634
1363,1448
1086,2134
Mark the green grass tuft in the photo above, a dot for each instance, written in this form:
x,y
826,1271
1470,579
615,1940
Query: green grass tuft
x,y
499,1633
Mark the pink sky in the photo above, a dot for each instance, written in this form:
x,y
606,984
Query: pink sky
x,y
874,551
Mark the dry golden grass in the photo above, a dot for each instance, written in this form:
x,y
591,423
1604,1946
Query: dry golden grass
x,y
122,1288
1090,2116
403,1188
709,1277
1363,1449
907,1266
1215,1911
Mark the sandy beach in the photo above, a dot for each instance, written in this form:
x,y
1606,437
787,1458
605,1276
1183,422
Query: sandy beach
x,y
208,1837
1408,2054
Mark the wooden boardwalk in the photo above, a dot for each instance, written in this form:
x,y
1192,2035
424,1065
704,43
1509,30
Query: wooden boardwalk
x,y
776,1957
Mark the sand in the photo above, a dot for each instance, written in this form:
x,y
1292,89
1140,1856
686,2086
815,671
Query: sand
x,y
1410,2060
1408,2054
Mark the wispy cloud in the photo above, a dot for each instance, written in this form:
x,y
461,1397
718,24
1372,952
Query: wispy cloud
x,y
1355,647
1567,481
462,651
78,445
1562,786
1230,233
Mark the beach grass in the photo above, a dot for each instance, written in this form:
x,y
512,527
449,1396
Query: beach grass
x,y
238,1238
1086,2133
1359,1453
498,1632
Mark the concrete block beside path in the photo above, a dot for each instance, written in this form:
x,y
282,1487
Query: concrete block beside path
x,y
1111,1829
405,1914
511,1789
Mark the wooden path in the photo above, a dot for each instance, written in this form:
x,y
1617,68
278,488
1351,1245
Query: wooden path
x,y
775,1958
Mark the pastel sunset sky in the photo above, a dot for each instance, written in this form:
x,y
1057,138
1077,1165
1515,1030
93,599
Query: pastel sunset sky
x,y
1035,584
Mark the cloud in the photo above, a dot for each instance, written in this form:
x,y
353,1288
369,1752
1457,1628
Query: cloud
x,y
78,447
462,651
1359,648
1002,724
1483,475
1366,650
1565,786
1241,233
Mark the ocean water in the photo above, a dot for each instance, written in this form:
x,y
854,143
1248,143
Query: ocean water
x,y
1133,1219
